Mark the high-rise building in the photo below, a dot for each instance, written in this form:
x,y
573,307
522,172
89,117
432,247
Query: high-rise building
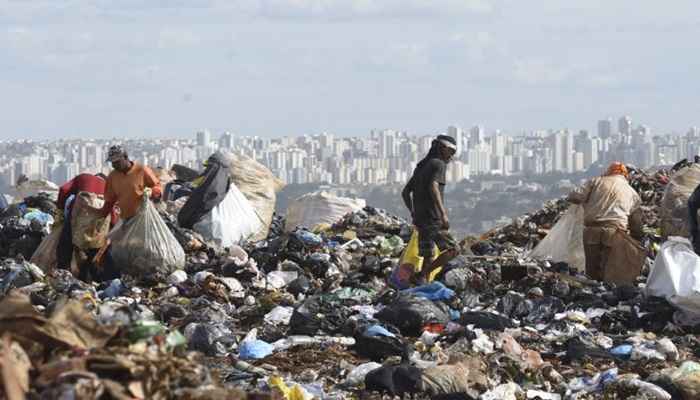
x,y
624,125
457,133
203,138
559,144
476,136
498,145
605,128
226,141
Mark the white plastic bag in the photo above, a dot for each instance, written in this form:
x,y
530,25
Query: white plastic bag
x,y
258,185
564,242
144,246
675,276
312,209
231,221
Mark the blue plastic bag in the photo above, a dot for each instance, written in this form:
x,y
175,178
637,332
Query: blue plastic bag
x,y
255,350
434,291
378,330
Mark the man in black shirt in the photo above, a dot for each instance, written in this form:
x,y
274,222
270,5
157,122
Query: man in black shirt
x,y
423,195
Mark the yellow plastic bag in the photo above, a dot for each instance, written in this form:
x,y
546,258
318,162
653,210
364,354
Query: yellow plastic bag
x,y
411,263
294,393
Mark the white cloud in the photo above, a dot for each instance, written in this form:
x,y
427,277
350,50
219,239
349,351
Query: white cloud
x,y
539,72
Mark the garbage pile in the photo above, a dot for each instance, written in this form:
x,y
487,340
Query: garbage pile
x,y
308,314
23,225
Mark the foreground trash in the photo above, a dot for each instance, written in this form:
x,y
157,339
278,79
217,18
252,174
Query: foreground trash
x,y
308,314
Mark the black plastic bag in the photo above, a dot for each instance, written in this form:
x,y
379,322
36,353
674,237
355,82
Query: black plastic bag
x,y
411,313
487,321
211,192
322,314
395,379
378,347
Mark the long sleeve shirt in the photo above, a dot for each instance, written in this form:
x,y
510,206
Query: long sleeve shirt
x,y
126,189
609,201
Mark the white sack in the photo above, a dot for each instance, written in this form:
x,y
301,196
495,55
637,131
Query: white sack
x,y
231,221
564,242
675,276
258,185
312,209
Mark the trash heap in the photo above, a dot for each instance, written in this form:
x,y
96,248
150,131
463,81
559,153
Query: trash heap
x,y
307,314
23,225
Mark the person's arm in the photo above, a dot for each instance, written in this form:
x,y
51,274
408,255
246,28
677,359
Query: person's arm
x,y
437,175
110,199
435,193
64,192
150,180
580,195
407,198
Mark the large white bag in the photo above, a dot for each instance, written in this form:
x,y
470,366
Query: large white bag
x,y
312,209
675,276
564,242
231,221
259,186
144,246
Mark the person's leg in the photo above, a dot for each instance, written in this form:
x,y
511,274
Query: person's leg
x,y
426,249
594,261
449,248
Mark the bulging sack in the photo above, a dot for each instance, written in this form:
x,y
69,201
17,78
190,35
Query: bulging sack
x,y
89,230
143,246
675,276
231,221
564,242
674,204
259,186
45,255
317,208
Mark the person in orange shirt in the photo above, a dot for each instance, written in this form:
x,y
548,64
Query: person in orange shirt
x,y
127,183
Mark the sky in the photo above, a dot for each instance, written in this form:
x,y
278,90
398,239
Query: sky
x,y
167,68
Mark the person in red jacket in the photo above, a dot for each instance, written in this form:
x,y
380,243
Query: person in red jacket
x,y
66,195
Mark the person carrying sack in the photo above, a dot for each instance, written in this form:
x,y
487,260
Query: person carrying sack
x,y
126,184
612,211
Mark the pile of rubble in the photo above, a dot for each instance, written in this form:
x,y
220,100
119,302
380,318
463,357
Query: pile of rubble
x,y
307,314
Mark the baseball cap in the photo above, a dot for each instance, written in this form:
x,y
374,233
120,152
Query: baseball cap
x,y
115,153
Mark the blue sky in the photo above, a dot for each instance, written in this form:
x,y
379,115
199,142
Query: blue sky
x,y
288,67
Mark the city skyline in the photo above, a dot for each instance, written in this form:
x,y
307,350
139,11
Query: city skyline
x,y
384,157
138,69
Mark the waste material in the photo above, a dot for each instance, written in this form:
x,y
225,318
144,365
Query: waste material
x,y
675,276
259,186
307,313
144,246
314,209
674,204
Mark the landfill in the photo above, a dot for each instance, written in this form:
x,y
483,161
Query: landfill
x,y
306,313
